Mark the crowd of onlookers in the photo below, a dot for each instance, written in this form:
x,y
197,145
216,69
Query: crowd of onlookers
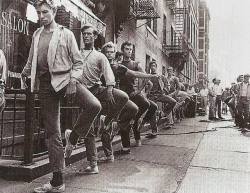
x,y
234,99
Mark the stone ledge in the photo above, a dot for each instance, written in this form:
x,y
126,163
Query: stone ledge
x,y
15,170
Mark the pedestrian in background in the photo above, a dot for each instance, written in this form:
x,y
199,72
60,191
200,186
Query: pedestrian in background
x,y
212,98
244,103
204,98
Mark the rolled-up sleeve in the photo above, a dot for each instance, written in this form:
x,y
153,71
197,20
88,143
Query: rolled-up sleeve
x,y
27,68
107,72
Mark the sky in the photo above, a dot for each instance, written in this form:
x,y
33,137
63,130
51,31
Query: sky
x,y
229,52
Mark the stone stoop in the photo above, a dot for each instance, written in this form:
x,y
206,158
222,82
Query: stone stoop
x,y
16,171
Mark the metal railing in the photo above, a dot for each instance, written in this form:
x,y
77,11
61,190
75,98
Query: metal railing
x,y
22,136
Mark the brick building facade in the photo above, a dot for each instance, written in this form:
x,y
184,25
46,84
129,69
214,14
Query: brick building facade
x,y
204,18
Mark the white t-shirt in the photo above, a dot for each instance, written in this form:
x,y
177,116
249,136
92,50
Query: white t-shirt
x,y
204,92
244,89
217,89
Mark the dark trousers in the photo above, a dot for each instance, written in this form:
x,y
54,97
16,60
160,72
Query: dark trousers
x,y
218,105
144,105
168,101
128,113
50,113
111,112
243,111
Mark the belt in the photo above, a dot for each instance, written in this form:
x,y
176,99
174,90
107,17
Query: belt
x,y
243,97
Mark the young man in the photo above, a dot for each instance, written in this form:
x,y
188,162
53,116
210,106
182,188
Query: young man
x,y
212,99
128,84
243,91
160,89
130,110
218,102
3,75
204,98
112,100
55,61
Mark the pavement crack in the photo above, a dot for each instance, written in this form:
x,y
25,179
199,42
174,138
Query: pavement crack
x,y
219,169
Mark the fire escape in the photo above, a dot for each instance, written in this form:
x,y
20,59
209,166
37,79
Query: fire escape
x,y
133,9
177,48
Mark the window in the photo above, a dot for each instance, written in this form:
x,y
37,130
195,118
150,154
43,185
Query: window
x,y
201,44
155,26
152,24
201,66
172,35
201,55
15,40
164,29
147,63
201,22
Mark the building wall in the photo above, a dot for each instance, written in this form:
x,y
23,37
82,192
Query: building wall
x,y
147,43
204,18
192,30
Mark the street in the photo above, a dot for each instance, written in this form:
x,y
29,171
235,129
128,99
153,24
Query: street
x,y
185,159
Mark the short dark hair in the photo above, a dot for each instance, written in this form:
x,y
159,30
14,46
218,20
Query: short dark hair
x,y
87,26
50,3
118,54
152,62
126,43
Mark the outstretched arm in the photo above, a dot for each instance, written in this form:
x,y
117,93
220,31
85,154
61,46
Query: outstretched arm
x,y
138,74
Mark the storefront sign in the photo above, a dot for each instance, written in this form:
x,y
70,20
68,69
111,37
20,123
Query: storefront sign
x,y
14,23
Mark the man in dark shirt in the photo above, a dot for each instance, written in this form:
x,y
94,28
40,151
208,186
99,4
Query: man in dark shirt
x,y
160,89
128,84
130,110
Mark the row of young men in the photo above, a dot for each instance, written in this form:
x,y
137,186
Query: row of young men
x,y
237,98
57,68
239,102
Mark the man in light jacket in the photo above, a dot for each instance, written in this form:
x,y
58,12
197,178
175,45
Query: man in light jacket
x,y
56,63
243,91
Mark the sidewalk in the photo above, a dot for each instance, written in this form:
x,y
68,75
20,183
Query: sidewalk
x,y
221,163
158,166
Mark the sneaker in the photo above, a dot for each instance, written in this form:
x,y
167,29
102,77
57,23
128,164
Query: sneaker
x,y
138,143
244,130
151,135
107,159
69,147
49,188
89,170
122,152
